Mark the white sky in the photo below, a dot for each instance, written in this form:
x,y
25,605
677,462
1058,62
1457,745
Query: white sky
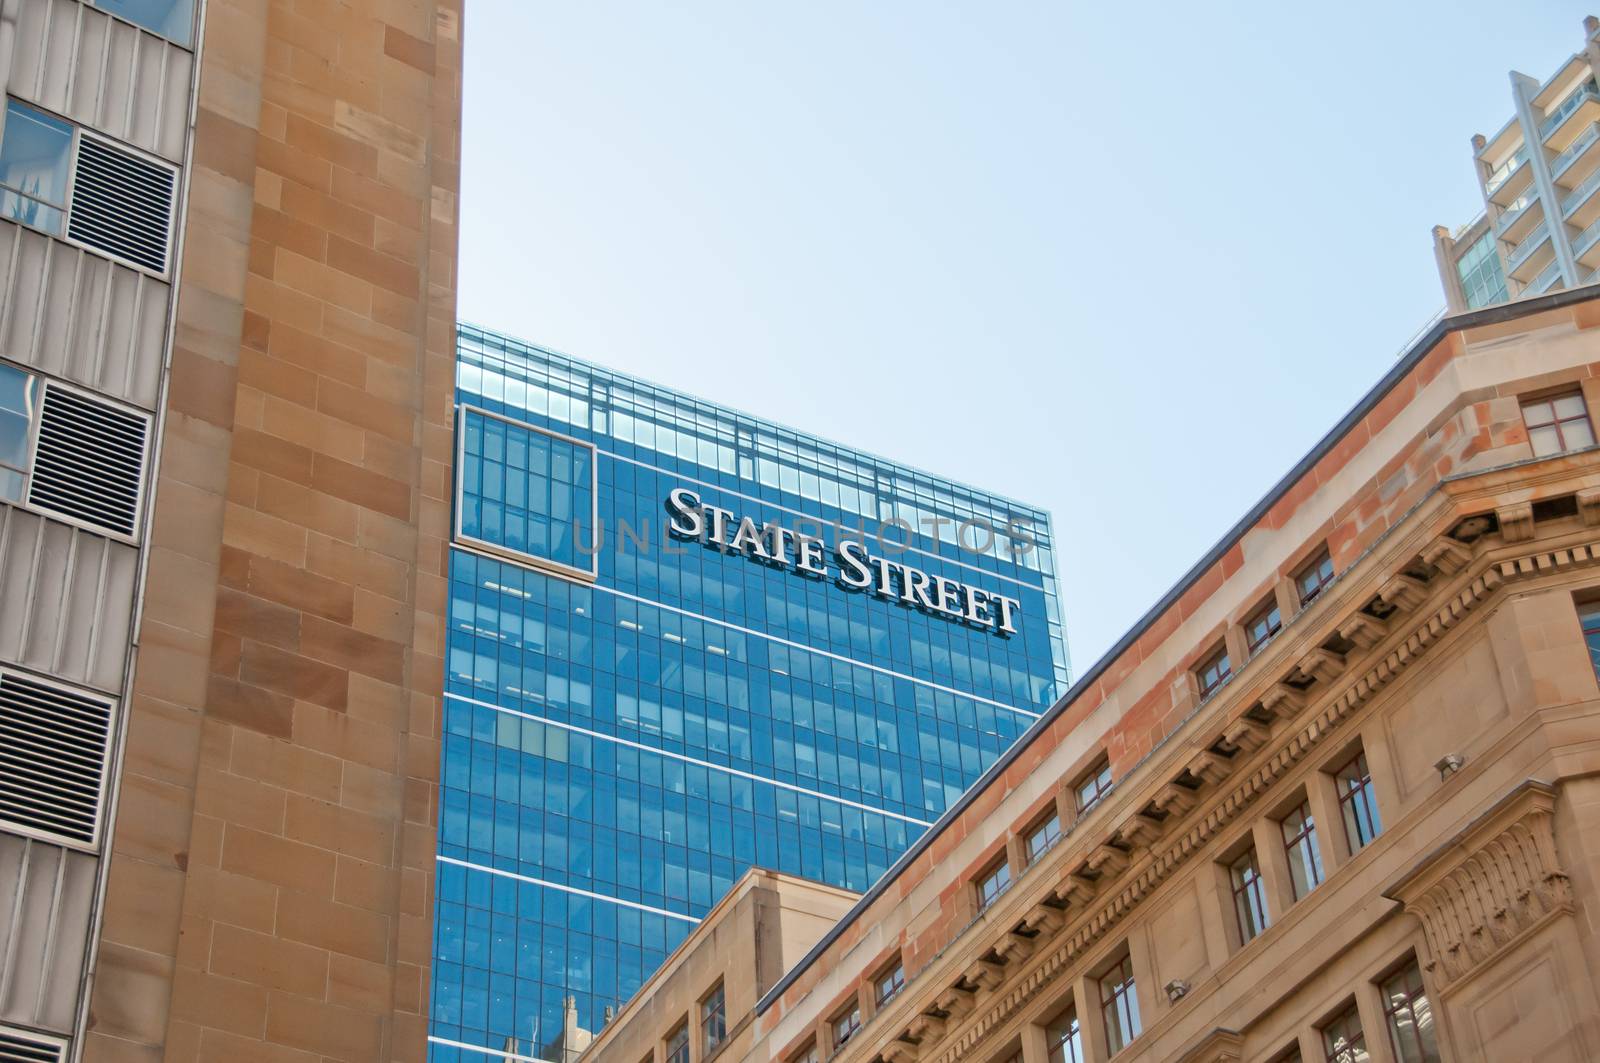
x,y
1124,261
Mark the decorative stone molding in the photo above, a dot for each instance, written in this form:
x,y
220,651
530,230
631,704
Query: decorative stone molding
x,y
1404,592
1589,505
1488,886
1219,1046
1516,522
1446,555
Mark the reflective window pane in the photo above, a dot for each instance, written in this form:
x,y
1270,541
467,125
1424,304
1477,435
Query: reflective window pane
x,y
172,19
35,151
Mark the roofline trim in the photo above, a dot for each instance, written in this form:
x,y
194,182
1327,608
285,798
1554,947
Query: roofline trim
x,y
1407,361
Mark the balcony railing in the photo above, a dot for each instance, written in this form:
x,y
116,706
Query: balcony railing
x,y
1505,170
1528,246
1546,277
1587,91
1579,194
1559,164
1514,208
1586,239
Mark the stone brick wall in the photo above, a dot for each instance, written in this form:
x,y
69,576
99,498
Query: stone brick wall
x,y
270,893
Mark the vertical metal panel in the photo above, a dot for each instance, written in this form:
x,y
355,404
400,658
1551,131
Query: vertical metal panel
x,y
77,315
75,59
68,597
46,895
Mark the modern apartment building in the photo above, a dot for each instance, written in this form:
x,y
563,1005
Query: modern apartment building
x,y
684,641
1540,175
227,239
1332,798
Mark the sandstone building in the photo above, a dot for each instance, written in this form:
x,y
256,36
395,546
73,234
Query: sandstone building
x,y
227,304
1333,798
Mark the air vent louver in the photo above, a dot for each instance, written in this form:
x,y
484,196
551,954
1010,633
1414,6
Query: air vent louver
x,y
19,1047
89,461
122,204
53,744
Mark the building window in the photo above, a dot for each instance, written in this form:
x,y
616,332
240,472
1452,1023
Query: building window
x,y
1308,583
1342,1040
846,1026
19,403
808,1054
1262,627
35,160
1410,1018
1043,836
527,493
993,883
1483,282
713,1019
1589,617
1213,672
1119,1006
172,19
1558,424
1093,786
1300,845
1249,903
1066,1039
678,1045
1358,802
890,983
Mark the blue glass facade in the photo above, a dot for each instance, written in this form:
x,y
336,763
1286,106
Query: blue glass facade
x,y
638,709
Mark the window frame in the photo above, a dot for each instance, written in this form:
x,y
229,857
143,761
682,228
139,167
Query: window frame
x,y
1249,896
1314,567
73,128
671,1047
708,1014
589,575
79,133
995,871
894,975
1092,777
1332,1053
1391,1012
1363,792
1064,1037
1218,662
1265,612
190,46
1589,624
1043,825
1550,398
851,1015
1120,998
1304,841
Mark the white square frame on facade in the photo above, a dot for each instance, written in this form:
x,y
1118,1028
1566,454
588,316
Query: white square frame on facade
x,y
113,708
559,568
46,383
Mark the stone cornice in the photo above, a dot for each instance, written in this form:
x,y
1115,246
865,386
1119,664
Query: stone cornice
x,y
1092,882
1494,883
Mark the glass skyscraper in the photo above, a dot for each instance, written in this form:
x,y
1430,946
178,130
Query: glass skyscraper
x,y
685,641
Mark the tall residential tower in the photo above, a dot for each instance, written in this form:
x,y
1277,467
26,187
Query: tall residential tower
x,y
1540,175
684,641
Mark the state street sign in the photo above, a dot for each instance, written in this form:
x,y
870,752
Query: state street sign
x,y
852,566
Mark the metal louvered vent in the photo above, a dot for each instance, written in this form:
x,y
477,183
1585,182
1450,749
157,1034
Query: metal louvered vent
x,y
89,461
121,204
53,744
17,1046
